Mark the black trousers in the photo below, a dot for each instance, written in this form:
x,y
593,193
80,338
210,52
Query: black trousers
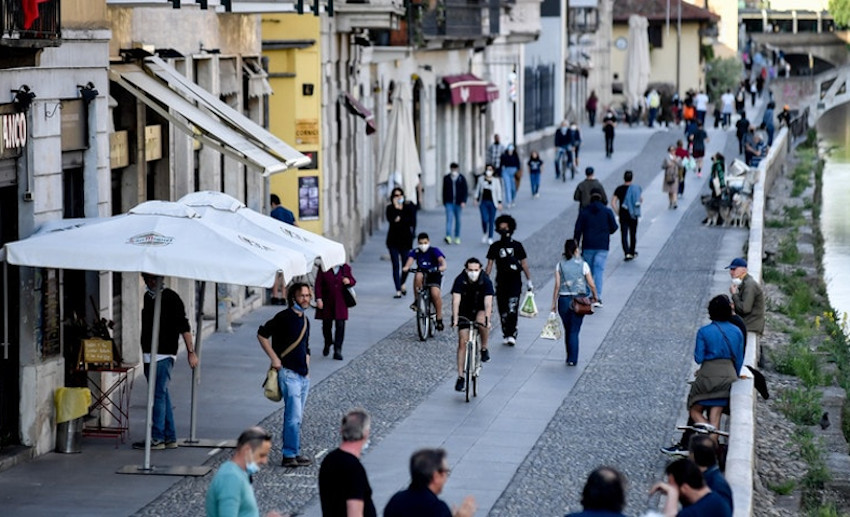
x,y
628,232
330,338
609,145
508,305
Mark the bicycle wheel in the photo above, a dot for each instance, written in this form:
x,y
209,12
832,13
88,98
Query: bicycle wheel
x,y
470,364
563,163
422,319
476,370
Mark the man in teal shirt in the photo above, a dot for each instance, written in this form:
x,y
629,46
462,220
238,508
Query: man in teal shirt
x,y
230,493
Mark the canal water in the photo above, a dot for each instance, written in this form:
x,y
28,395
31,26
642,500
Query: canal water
x,y
834,129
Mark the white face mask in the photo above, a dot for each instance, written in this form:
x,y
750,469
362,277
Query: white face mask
x,y
736,281
455,174
424,247
473,275
488,172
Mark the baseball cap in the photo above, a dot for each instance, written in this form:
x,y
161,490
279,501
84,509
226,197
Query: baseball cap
x,y
738,262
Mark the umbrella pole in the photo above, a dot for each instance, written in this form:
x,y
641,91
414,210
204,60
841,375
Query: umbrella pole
x,y
196,372
157,311
5,310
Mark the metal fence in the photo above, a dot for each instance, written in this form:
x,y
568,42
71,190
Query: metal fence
x,y
539,102
45,27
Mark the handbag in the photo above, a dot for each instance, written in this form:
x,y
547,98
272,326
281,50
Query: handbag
x,y
271,387
528,307
581,305
348,296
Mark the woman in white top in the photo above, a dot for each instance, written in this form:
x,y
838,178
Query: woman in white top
x,y
572,278
488,197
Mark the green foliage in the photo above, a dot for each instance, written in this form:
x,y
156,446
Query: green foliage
x,y
826,511
798,360
840,11
788,252
784,488
801,405
722,75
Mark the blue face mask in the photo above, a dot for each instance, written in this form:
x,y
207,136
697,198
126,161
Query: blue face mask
x,y
305,306
252,468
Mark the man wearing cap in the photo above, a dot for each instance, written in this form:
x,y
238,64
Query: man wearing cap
x,y
586,187
747,296
593,231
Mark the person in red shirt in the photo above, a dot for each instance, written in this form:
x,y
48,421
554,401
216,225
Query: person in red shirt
x,y
681,154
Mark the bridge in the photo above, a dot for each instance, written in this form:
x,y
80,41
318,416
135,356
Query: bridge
x,y
826,48
820,92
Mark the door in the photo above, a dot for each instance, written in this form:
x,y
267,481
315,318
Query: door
x,y
9,351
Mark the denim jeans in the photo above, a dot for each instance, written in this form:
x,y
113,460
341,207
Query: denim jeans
x,y
452,220
294,389
596,260
572,326
488,217
397,258
509,184
534,179
162,422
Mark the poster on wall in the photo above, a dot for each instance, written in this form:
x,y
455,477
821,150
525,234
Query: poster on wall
x,y
308,198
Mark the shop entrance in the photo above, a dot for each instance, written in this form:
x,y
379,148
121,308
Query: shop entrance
x,y
9,349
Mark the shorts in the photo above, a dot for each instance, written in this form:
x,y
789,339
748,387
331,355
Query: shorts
x,y
434,279
698,154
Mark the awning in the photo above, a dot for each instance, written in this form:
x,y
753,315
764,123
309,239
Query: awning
x,y
356,108
258,79
203,116
469,88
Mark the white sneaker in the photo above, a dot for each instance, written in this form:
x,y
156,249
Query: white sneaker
x,y
484,239
597,303
510,341
490,241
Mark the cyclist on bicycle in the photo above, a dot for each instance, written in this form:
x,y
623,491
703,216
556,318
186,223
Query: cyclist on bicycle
x,y
430,264
563,144
472,298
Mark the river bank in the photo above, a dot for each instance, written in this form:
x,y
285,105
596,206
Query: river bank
x,y
802,466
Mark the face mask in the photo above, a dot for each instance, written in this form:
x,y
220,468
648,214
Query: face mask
x,y
400,200
473,275
736,281
488,173
305,306
455,174
251,466
424,247
504,233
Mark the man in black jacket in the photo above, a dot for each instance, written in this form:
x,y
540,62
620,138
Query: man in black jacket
x,y
455,194
172,325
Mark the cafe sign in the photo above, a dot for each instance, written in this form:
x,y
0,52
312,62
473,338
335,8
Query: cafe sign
x,y
13,134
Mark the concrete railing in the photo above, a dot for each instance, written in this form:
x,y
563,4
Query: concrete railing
x,y
740,458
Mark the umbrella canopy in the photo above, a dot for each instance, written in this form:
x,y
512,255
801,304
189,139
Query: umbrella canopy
x,y
637,61
399,164
223,210
163,238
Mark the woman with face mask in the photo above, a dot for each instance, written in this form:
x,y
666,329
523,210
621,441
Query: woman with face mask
x,y
401,215
488,197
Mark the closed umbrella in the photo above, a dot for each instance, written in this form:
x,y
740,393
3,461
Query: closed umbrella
x,y
399,163
637,60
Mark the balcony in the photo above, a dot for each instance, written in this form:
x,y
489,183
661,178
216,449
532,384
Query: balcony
x,y
368,14
34,27
449,24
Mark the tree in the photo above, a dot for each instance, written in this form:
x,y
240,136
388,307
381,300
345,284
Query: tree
x,y
840,11
722,75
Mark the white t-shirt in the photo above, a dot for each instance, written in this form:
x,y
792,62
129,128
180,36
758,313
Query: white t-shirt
x,y
728,101
701,102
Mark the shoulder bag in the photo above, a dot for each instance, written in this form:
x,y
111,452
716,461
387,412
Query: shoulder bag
x,y
271,388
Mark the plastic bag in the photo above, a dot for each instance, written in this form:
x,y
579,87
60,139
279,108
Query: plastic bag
x,y
552,328
528,308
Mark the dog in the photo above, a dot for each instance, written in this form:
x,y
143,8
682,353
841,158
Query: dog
x,y
717,210
742,208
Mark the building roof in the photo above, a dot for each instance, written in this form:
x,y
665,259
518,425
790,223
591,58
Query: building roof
x,y
656,11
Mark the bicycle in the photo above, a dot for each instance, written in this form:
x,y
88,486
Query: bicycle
x,y
426,315
472,359
565,160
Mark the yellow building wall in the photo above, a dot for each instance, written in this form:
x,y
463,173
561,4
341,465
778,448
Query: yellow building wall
x,y
663,60
84,14
294,117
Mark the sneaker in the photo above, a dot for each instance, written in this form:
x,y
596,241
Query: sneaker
x,y
675,450
338,356
570,363
459,384
597,303
490,240
485,356
510,341
457,240
303,461
403,290
440,325
397,294
629,257
155,445
171,444
704,427
448,239
484,239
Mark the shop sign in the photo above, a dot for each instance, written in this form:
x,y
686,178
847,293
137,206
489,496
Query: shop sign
x,y
13,134
119,151
307,131
153,143
308,198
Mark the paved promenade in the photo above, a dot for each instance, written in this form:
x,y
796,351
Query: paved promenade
x,y
526,444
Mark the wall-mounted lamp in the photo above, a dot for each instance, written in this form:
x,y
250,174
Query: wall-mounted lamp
x,y
88,92
23,97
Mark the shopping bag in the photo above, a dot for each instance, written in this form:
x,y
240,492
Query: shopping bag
x,y
552,328
271,388
528,307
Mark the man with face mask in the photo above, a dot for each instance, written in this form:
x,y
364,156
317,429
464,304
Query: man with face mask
x,y
230,492
431,262
747,296
472,298
286,340
511,261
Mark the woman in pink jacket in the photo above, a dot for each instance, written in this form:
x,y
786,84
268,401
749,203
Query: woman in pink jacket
x,y
331,308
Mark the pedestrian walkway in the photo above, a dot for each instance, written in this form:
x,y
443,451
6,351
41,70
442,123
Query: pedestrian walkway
x,y
503,445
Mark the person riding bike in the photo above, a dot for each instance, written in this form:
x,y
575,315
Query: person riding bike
x,y
430,264
472,298
564,144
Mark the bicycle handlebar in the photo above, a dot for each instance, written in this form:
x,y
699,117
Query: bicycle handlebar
x,y
414,269
464,319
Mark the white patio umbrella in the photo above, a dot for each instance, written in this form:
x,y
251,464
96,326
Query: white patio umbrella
x,y
162,238
221,209
399,164
637,60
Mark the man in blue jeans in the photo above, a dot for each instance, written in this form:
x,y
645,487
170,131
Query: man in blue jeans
x,y
286,340
593,231
455,194
172,325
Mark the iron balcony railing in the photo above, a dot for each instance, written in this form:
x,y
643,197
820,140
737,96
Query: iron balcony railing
x,y
30,23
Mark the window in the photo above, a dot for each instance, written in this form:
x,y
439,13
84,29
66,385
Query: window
x,y
656,36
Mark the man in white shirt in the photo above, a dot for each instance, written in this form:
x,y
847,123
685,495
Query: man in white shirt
x,y
728,102
701,106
